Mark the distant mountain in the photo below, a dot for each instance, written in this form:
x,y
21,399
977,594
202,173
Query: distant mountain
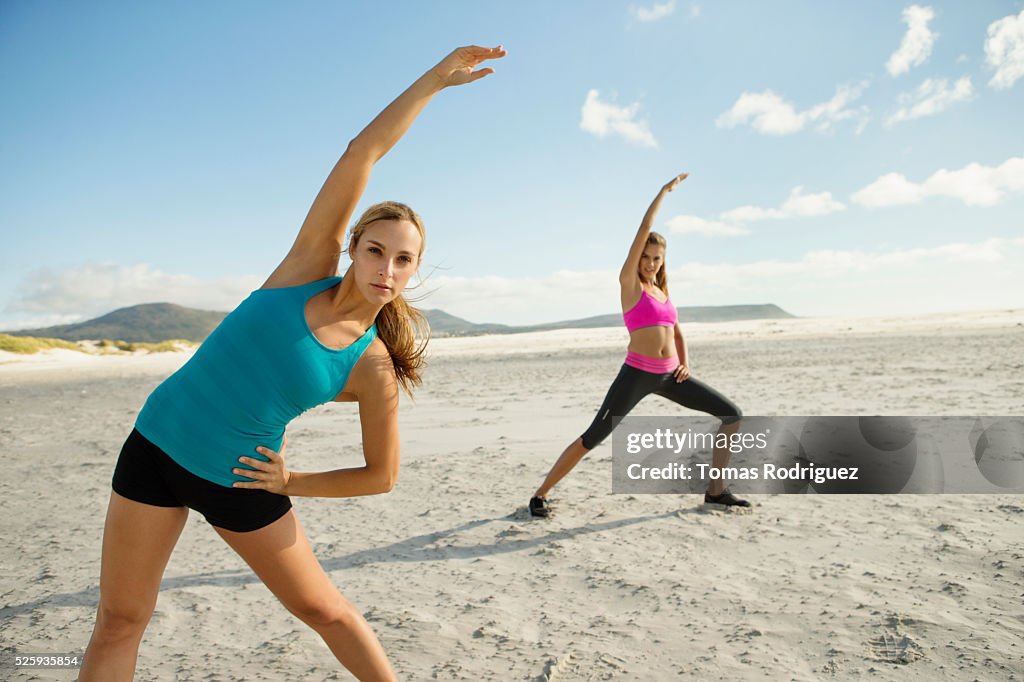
x,y
730,313
718,313
449,325
444,324
149,323
155,322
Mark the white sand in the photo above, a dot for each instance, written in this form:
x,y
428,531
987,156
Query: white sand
x,y
459,585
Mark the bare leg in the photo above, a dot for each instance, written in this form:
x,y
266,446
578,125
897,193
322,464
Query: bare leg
x,y
720,457
281,556
566,462
137,542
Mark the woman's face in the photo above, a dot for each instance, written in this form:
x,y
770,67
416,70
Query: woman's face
x,y
384,259
651,261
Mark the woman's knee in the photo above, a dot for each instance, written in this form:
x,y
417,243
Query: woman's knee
x,y
731,414
590,441
320,612
116,622
602,426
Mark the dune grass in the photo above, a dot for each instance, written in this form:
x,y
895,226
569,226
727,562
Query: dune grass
x,y
28,345
131,346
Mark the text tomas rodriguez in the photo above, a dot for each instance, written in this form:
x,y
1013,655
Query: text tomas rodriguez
x,y
675,471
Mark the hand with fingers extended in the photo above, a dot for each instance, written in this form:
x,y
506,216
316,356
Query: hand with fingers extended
x,y
271,475
457,67
671,184
682,373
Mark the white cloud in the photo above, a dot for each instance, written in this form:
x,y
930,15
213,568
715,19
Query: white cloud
x,y
800,204
93,289
514,300
694,10
770,114
796,205
37,321
732,223
655,12
917,41
892,189
751,214
974,184
1004,50
602,118
959,275
828,113
840,277
834,263
931,97
689,224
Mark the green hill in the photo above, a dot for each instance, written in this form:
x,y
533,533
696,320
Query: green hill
x,y
149,323
710,313
444,324
449,325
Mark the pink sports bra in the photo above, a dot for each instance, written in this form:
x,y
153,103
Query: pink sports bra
x,y
648,312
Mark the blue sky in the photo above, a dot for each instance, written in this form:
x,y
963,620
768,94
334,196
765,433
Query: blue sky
x,y
845,158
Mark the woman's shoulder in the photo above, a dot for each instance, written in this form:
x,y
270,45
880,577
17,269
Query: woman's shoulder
x,y
374,373
287,283
295,271
631,289
376,349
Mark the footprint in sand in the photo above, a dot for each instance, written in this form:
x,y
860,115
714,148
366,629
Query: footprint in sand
x,y
894,646
575,666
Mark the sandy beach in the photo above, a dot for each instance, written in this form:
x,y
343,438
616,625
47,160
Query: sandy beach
x,y
460,584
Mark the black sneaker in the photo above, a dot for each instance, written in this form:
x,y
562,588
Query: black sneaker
x,y
539,507
726,499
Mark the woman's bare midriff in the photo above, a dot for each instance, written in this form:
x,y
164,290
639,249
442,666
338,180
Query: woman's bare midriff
x,y
654,342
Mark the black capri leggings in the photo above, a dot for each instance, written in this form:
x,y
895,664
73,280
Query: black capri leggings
x,y
633,384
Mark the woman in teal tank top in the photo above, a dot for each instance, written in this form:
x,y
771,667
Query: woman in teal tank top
x,y
211,436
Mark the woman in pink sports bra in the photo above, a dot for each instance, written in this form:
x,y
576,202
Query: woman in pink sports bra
x,y
656,362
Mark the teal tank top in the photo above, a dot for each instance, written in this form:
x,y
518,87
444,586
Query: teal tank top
x,y
258,370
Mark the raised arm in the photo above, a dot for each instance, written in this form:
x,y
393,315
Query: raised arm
x,y
320,241
627,276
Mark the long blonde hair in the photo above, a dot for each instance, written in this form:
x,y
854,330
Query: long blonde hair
x,y
660,278
403,329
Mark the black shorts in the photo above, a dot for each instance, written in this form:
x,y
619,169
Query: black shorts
x,y
146,474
